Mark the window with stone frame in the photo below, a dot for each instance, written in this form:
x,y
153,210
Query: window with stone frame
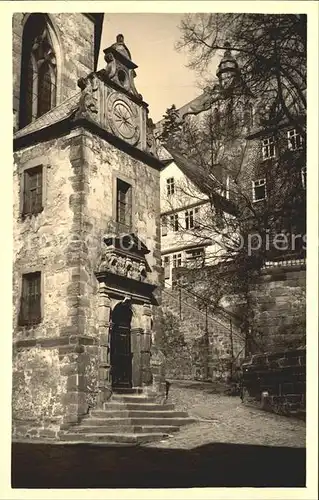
x,y
294,140
30,302
123,203
170,186
32,191
259,190
268,148
174,222
38,85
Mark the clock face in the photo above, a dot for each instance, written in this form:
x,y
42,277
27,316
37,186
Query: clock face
x,y
123,118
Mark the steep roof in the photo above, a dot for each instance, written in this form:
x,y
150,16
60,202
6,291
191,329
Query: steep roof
x,y
55,115
201,179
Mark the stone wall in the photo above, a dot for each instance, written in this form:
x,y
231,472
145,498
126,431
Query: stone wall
x,y
102,163
64,242
213,346
278,302
275,306
276,381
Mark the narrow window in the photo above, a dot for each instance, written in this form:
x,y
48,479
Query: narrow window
x,y
123,203
38,71
164,225
167,273
304,177
268,148
30,307
32,191
170,186
189,219
177,260
259,190
174,222
294,140
224,191
44,89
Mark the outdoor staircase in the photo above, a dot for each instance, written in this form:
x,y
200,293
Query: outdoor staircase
x,y
128,418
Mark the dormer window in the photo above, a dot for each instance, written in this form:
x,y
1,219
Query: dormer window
x,y
38,71
170,186
268,148
294,140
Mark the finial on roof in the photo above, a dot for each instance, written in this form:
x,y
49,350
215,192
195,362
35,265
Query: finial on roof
x,y
228,66
227,49
120,38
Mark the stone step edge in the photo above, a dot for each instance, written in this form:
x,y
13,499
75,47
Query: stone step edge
x,y
136,403
126,430
135,414
131,421
132,437
59,442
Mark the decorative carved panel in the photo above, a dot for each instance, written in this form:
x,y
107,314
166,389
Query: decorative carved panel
x,y
124,255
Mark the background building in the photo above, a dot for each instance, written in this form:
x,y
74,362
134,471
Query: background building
x,y
249,171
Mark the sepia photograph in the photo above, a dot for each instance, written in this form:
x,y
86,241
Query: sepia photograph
x,y
159,249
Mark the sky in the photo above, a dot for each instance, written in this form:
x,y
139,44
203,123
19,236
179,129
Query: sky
x,y
161,77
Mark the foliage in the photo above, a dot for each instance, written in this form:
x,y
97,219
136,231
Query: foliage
x,y
271,50
176,350
217,144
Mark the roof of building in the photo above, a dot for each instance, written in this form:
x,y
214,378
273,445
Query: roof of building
x,y
201,179
55,115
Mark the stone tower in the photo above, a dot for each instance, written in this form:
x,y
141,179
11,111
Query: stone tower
x,y
86,223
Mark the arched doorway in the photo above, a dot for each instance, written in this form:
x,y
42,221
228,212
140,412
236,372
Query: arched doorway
x,y
121,355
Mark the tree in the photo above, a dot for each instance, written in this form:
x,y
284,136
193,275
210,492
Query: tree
x,y
212,151
271,50
171,124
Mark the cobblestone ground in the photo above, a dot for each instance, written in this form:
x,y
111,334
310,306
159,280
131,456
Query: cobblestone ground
x,y
229,445
225,419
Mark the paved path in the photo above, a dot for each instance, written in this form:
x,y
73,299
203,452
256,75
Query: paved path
x,y
225,419
230,445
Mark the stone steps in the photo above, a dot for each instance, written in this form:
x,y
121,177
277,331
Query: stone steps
x,y
133,398
119,422
111,438
129,417
126,429
140,413
122,406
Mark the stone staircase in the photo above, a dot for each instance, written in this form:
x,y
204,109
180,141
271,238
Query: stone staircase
x,y
129,418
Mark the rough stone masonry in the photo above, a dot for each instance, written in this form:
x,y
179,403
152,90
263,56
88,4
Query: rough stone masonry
x,y
61,363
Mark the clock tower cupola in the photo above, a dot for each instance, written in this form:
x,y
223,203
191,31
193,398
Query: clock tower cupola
x,y
120,67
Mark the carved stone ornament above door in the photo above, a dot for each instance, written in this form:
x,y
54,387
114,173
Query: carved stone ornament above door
x,y
123,117
124,255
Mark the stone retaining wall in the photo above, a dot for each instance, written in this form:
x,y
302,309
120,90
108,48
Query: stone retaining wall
x,y
276,381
